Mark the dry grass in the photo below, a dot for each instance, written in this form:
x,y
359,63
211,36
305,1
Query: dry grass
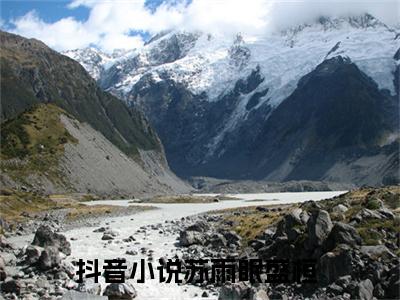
x,y
249,222
82,211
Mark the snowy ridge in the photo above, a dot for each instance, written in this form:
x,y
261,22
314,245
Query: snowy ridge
x,y
204,63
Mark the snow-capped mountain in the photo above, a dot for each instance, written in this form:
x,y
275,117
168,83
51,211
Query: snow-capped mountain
x,y
207,95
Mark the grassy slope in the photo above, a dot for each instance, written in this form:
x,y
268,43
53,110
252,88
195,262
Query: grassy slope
x,y
33,142
33,73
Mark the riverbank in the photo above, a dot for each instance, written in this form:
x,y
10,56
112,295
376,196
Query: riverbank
x,y
155,234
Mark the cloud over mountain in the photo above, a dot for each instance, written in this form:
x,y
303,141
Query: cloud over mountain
x,y
122,24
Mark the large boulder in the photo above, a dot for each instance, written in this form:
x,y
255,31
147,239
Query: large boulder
x,y
288,225
342,233
335,264
49,258
187,238
364,290
393,289
217,240
11,285
120,291
199,226
231,237
319,225
45,237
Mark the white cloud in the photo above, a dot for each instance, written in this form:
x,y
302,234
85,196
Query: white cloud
x,y
110,23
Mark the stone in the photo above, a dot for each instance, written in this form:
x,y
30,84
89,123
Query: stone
x,y
236,291
107,237
340,208
232,237
116,291
217,240
319,226
205,294
342,233
32,254
187,238
90,287
378,251
49,258
199,226
11,286
45,237
100,229
333,265
365,290
393,289
3,273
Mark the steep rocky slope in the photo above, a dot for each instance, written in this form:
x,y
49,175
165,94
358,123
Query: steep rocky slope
x,y
82,139
216,102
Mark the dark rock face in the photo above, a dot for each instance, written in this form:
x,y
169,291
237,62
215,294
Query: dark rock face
x,y
333,265
45,237
323,117
342,234
319,226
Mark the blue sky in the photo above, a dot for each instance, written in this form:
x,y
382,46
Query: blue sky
x,y
113,24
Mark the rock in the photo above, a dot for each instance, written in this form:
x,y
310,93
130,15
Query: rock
x,y
74,295
131,252
393,289
333,265
376,252
340,208
257,244
261,208
217,240
32,254
319,226
288,225
236,291
49,258
232,237
107,237
90,287
45,237
365,290
199,226
11,286
367,214
116,291
205,294
334,289
259,295
388,214
3,273
9,258
100,229
187,238
342,233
